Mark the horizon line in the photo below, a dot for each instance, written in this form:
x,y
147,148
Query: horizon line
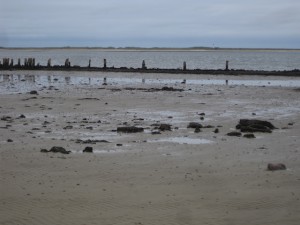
x,y
152,48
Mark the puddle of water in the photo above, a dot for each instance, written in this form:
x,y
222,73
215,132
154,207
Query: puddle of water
x,y
184,140
25,82
97,151
82,135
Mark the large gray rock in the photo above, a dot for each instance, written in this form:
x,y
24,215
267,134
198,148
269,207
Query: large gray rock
x,y
249,125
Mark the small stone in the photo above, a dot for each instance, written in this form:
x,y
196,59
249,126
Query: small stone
x,y
33,92
67,127
44,150
22,116
234,133
249,136
197,130
164,127
276,166
88,149
119,145
10,140
62,150
216,131
194,125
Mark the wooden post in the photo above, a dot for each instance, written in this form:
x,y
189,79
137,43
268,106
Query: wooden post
x,y
90,63
19,62
104,63
5,62
227,65
11,62
184,65
49,63
67,63
25,62
144,65
29,61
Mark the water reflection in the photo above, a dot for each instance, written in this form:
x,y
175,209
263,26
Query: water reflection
x,y
68,80
47,80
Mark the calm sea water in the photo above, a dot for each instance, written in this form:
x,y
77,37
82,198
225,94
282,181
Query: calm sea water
x,y
250,60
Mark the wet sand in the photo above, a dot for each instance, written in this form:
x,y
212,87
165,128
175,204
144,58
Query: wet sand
x,y
176,177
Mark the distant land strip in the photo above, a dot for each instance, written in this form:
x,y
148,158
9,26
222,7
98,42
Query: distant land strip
x,y
150,48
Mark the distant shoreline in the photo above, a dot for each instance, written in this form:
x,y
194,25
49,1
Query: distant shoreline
x,y
154,49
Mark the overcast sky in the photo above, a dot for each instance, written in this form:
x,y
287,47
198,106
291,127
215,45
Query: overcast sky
x,y
150,23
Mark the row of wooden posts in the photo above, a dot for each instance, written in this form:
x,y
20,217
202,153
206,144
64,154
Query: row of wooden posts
x,y
30,63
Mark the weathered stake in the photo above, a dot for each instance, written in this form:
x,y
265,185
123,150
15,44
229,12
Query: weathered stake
x,y
227,65
184,65
104,63
49,63
144,65
5,62
67,63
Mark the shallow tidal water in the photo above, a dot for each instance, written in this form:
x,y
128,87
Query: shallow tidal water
x,y
24,81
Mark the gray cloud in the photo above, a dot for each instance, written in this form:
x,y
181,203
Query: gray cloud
x,y
150,23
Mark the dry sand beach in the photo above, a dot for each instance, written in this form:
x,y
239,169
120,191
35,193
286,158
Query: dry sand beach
x,y
151,177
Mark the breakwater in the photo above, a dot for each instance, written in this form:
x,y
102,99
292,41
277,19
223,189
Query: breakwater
x,y
30,64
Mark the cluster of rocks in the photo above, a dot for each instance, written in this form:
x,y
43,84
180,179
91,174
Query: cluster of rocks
x,y
251,126
56,149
